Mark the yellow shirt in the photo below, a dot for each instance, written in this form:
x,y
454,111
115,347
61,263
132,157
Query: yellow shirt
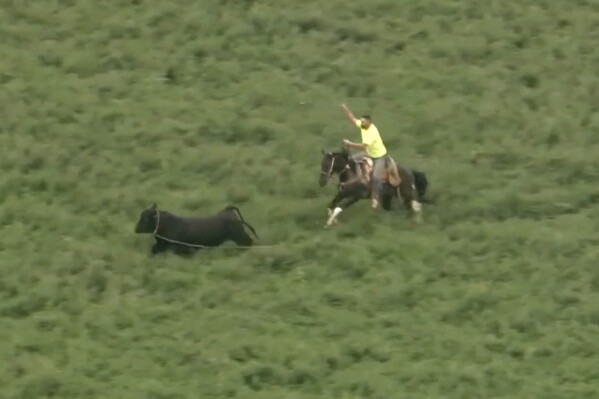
x,y
372,138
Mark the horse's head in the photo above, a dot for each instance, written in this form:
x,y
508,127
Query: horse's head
x,y
148,220
332,163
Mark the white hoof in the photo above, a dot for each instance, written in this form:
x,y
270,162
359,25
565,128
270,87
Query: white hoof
x,y
333,216
416,206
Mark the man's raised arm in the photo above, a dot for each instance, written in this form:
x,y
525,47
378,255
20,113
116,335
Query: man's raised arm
x,y
348,114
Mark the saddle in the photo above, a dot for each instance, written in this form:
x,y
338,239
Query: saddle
x,y
390,174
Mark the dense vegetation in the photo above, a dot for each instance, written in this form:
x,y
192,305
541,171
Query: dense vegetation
x,y
110,106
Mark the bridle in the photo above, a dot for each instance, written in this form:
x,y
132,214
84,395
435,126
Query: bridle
x,y
330,172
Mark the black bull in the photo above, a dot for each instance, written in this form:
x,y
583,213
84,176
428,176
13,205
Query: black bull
x,y
183,234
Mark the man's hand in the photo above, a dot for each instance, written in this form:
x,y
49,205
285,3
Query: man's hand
x,y
357,146
348,113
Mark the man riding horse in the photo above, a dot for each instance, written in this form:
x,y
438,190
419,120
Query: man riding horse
x,y
374,147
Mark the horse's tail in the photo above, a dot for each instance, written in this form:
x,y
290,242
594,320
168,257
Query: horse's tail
x,y
238,212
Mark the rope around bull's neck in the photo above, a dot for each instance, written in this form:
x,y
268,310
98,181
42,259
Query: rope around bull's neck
x,y
198,245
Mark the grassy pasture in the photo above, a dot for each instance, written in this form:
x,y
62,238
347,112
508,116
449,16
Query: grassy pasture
x,y
109,106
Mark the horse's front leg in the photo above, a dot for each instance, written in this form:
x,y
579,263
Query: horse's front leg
x,y
341,206
333,204
345,198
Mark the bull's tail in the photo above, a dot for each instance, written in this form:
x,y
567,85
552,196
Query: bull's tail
x,y
251,228
238,212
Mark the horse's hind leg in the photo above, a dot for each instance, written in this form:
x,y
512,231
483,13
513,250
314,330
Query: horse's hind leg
x,y
386,201
408,195
388,193
415,205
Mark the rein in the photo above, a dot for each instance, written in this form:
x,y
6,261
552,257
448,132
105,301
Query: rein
x,y
155,234
328,174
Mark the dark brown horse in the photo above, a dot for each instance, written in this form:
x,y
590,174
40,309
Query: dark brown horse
x,y
351,188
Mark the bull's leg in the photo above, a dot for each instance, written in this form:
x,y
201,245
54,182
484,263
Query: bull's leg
x,y
243,239
183,250
159,246
239,236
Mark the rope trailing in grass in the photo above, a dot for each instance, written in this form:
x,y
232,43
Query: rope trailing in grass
x,y
207,246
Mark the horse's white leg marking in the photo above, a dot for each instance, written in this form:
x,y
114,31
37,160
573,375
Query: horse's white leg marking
x,y
335,213
416,206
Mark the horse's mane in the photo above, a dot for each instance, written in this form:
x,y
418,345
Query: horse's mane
x,y
351,162
349,159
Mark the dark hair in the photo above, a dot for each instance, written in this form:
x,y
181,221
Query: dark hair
x,y
367,117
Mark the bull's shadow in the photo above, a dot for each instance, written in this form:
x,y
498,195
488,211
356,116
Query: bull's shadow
x,y
186,235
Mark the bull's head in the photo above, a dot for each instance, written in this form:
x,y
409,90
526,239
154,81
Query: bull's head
x,y
148,220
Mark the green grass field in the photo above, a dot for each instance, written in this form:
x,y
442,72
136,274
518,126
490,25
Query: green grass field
x,y
108,107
